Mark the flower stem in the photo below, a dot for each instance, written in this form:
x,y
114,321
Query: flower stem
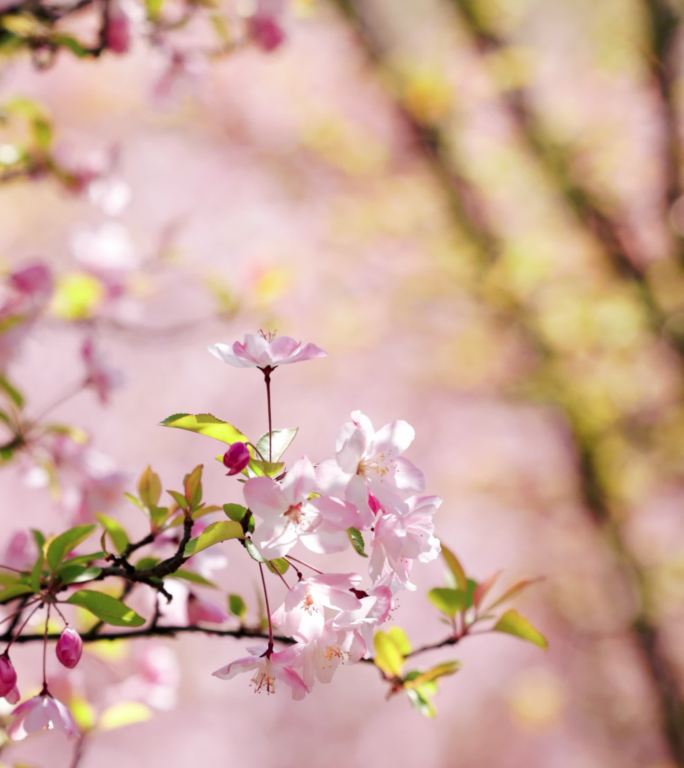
x,y
21,628
267,381
269,650
45,642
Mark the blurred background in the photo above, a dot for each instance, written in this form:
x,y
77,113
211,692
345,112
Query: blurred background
x,y
475,206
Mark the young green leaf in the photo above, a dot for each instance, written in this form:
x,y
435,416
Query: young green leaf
x,y
235,511
61,545
388,657
455,568
206,424
115,531
193,578
12,392
448,601
106,608
429,676
236,605
149,488
356,539
512,591
281,439
278,565
192,485
213,534
512,623
73,573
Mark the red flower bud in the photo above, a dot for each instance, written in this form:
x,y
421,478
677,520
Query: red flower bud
x,y
265,31
13,696
69,648
8,675
236,458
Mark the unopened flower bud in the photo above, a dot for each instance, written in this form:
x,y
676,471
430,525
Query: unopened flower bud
x,y
8,675
266,32
236,458
118,29
69,648
200,611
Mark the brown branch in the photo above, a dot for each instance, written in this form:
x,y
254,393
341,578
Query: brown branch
x,y
594,496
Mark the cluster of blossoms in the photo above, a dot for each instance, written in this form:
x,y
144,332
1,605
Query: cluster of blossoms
x,y
368,491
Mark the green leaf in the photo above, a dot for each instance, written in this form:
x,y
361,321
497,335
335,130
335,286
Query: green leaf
x,y
448,601
12,392
281,440
193,578
253,551
236,605
116,532
512,623
179,499
388,657
106,608
455,568
441,670
192,485
37,572
235,511
356,539
16,590
206,424
400,639
420,700
72,44
265,468
213,534
61,545
145,563
278,565
512,591
149,488
73,573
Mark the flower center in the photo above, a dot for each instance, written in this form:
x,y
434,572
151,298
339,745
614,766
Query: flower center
x,y
294,514
309,605
380,464
263,680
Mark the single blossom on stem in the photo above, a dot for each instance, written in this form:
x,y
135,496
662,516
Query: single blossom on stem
x,y
269,670
260,350
42,712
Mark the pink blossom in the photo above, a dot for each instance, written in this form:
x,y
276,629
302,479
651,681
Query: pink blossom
x,y
261,350
13,696
286,514
269,669
375,608
69,648
33,280
371,462
42,712
322,655
313,602
236,458
19,551
98,376
266,31
8,675
402,534
202,611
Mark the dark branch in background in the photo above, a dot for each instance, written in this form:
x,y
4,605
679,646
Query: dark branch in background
x,y
594,496
665,27
588,209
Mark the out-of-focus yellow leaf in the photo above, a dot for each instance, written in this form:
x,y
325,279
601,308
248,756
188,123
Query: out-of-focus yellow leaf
x,y
125,713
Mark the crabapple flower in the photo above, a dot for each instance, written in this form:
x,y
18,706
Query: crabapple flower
x,y
8,675
375,608
269,670
261,350
284,509
322,656
315,601
403,534
13,696
42,712
69,648
34,280
374,461
236,458
201,611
